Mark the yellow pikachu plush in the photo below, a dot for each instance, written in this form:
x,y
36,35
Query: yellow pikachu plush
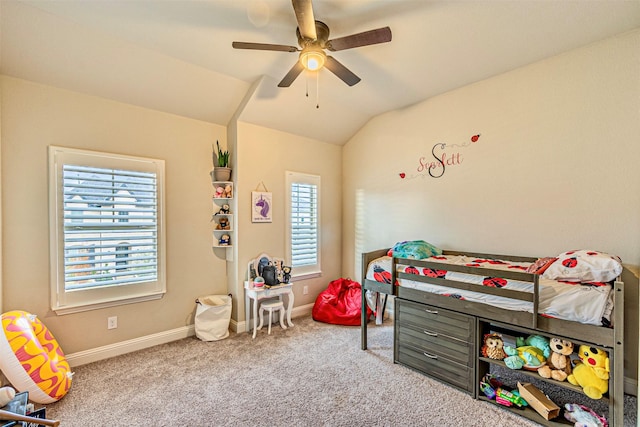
x,y
591,372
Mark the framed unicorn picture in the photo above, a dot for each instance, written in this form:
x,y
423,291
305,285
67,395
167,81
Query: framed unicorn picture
x,y
261,206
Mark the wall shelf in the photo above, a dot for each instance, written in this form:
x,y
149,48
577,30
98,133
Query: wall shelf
x,y
219,203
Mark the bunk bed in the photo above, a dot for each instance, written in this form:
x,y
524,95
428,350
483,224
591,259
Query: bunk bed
x,y
441,314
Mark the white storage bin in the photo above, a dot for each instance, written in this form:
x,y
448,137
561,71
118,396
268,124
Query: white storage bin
x,y
213,314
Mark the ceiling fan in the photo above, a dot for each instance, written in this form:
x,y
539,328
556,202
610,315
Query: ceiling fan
x,y
313,38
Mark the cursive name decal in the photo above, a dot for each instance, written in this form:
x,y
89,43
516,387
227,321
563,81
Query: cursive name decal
x,y
442,156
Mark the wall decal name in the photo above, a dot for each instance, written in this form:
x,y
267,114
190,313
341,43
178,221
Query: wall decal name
x,y
442,156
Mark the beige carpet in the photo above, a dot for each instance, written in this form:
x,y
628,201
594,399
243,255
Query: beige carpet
x,y
313,374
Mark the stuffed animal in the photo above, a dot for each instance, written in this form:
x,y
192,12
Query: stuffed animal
x,y
583,416
225,240
591,372
223,224
493,347
228,192
224,210
531,352
286,274
558,364
219,192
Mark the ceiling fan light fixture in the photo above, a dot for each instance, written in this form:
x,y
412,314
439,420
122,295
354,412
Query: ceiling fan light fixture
x,y
312,58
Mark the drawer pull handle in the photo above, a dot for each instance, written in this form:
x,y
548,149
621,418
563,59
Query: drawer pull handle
x,y
431,334
431,311
430,356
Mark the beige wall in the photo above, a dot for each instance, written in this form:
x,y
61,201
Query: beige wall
x,y
263,156
36,116
555,167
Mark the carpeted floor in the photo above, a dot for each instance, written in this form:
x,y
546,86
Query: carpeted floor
x,y
313,374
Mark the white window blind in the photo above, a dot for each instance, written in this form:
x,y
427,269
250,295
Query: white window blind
x,y
107,233
303,223
110,227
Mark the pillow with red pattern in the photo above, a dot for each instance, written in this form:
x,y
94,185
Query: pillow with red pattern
x,y
584,266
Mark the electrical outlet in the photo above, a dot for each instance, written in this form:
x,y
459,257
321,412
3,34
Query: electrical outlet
x,y
305,290
112,322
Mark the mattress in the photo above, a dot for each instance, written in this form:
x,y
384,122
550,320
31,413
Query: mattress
x,y
589,303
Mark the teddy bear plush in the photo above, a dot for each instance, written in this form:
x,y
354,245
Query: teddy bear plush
x,y
225,240
228,193
223,224
558,364
591,372
493,347
531,352
219,192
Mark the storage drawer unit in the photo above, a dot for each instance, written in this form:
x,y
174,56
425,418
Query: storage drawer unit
x,y
436,342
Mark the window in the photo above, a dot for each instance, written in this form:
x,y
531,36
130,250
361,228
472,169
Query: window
x,y
303,223
107,229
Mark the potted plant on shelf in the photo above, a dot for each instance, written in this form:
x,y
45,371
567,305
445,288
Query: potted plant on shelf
x,y
221,170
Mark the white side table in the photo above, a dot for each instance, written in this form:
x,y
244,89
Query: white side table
x,y
255,294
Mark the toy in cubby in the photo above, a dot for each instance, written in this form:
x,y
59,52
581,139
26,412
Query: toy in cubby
x,y
583,416
223,224
225,192
224,210
493,347
558,364
529,353
494,388
591,372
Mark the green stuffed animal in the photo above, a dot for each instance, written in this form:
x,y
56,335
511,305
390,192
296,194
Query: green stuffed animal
x,y
530,352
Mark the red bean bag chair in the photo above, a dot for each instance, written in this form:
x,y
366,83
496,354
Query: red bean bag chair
x,y
340,304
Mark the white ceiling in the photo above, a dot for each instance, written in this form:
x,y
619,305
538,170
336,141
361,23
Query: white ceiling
x,y
176,56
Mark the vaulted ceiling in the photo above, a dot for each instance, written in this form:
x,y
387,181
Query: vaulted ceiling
x,y
176,55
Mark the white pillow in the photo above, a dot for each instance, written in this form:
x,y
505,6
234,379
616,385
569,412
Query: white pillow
x,y
584,266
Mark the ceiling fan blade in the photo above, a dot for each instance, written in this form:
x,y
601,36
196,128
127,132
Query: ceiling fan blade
x,y
381,35
304,16
291,75
341,71
264,46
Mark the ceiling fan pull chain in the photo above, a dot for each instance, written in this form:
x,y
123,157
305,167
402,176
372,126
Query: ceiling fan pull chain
x,y
317,89
306,83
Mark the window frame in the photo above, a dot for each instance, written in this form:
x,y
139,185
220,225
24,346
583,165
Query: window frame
x,y
307,271
65,301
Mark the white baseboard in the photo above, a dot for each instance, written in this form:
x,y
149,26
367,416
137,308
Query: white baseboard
x,y
124,347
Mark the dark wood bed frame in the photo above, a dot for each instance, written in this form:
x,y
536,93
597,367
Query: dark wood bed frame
x,y
485,316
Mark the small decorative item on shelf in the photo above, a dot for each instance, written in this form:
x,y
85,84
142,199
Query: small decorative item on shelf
x,y
225,240
224,210
493,347
286,274
225,192
221,170
223,224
